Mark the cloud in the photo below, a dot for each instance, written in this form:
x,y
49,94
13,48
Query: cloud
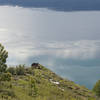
x,y
3,30
84,52
64,42
84,49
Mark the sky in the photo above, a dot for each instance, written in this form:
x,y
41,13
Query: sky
x,y
58,5
66,42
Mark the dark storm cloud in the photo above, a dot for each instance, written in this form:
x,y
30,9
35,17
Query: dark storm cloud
x,y
59,5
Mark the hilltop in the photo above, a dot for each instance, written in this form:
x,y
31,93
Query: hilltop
x,y
39,83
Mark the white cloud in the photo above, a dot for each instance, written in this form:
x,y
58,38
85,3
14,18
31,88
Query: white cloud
x,y
84,49
76,50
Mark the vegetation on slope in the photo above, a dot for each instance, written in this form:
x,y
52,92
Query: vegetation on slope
x,y
37,83
96,88
41,84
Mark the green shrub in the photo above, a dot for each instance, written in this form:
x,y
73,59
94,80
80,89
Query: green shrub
x,y
7,93
29,71
20,70
3,57
33,88
11,70
5,77
96,88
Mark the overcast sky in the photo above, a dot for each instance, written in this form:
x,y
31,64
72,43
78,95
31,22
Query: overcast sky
x,y
58,5
66,42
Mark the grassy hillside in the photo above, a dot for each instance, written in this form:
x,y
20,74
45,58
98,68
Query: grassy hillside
x,y
39,83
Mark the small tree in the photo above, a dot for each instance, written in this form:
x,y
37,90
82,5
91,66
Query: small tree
x,y
20,70
5,77
33,88
96,88
11,70
3,57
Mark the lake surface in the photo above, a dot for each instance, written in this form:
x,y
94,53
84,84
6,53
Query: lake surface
x,y
66,42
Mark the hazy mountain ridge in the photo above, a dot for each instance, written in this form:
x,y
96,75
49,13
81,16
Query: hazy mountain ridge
x,y
61,5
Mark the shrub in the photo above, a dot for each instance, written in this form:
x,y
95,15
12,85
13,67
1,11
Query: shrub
x,y
33,88
20,70
11,70
96,88
29,71
7,93
5,77
3,57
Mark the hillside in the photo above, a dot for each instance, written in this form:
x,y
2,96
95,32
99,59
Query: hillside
x,y
39,83
61,5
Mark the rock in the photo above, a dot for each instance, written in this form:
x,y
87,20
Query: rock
x,y
36,66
